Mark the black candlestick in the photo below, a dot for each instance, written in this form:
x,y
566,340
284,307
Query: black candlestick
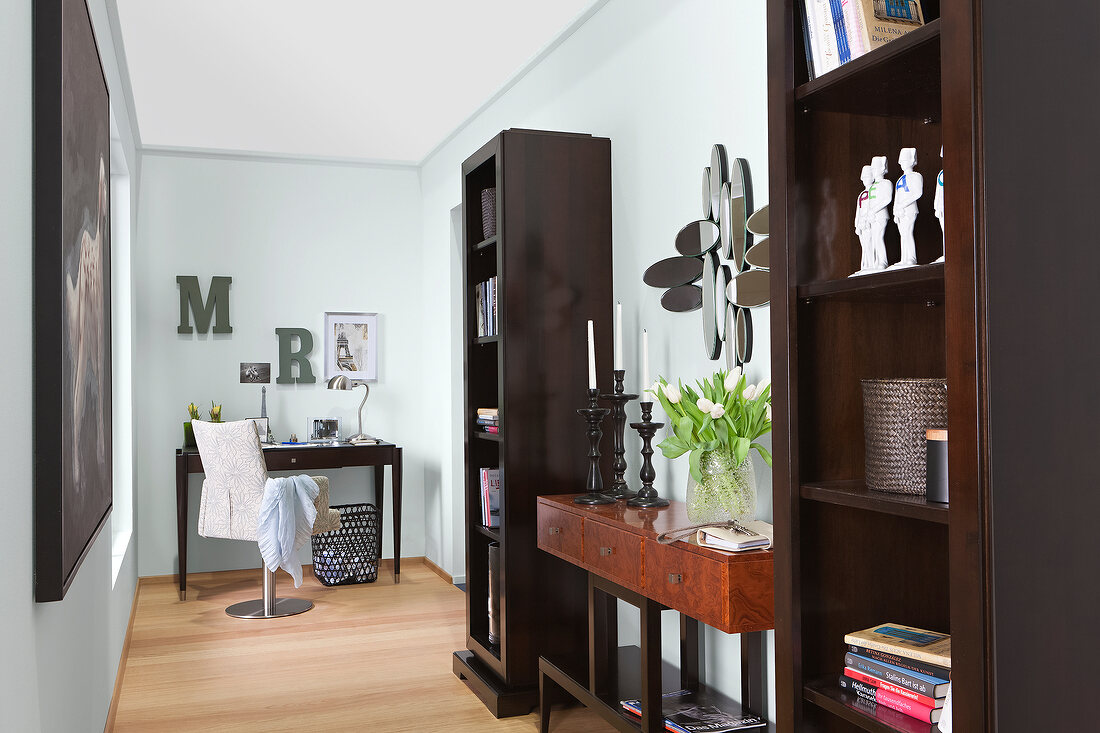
x,y
647,497
594,415
618,400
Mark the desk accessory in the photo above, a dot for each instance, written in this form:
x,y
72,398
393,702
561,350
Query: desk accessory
x,y
618,399
594,415
647,497
342,382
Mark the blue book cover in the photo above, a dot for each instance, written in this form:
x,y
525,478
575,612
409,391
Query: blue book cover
x,y
843,50
922,683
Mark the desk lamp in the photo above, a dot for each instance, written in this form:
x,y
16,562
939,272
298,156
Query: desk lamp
x,y
342,382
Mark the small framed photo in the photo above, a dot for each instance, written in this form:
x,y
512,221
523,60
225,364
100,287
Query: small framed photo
x,y
351,345
255,372
323,429
262,426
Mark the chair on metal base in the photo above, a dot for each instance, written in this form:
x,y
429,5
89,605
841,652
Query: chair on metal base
x,y
230,506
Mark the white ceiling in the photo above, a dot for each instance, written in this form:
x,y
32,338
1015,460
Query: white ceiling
x,y
344,79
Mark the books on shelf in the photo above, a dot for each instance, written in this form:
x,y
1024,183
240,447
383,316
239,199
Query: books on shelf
x,y
485,304
489,479
488,420
932,702
930,647
836,31
685,714
915,681
888,699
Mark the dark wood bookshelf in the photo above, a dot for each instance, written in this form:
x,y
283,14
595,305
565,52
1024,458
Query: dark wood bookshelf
x,y
827,694
923,281
553,216
899,79
856,494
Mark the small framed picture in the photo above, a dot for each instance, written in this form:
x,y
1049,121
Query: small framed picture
x,y
255,372
262,426
351,345
323,429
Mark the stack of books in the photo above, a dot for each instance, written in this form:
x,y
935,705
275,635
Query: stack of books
x,y
900,667
488,420
490,496
485,302
837,31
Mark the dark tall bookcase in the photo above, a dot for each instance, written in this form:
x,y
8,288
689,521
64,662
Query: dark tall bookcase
x,y
551,255
847,558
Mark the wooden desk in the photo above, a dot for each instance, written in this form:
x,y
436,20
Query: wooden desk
x,y
303,459
618,547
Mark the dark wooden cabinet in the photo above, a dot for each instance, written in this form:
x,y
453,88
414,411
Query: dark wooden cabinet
x,y
846,557
551,255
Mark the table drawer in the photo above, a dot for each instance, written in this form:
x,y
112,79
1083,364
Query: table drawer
x,y
687,582
560,533
613,553
300,460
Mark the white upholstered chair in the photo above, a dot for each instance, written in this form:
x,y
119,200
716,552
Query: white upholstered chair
x,y
230,506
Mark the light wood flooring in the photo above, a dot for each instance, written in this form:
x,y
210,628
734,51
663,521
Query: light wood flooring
x,y
373,657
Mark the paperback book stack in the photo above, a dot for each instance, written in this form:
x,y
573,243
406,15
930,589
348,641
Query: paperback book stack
x,y
485,303
899,667
837,31
488,420
490,496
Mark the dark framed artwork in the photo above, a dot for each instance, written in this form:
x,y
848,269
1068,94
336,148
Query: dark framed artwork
x,y
72,295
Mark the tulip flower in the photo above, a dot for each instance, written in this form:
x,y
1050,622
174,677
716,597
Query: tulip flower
x,y
704,404
672,393
763,385
717,411
732,379
750,392
768,411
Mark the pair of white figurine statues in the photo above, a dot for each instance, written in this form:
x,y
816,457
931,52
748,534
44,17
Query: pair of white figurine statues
x,y
872,213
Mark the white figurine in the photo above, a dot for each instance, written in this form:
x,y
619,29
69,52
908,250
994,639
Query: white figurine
x,y
937,206
863,224
880,193
908,189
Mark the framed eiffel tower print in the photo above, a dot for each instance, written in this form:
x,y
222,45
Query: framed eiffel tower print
x,y
351,345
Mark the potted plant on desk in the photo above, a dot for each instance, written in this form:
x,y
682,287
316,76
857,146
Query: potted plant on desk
x,y
188,432
717,427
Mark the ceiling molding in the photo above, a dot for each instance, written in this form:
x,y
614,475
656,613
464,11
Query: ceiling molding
x,y
518,76
257,156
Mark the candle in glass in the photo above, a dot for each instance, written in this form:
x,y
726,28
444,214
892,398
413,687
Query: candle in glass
x,y
591,358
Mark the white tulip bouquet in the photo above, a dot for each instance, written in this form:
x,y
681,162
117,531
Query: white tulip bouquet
x,y
727,413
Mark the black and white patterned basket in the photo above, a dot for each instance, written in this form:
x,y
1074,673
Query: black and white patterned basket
x,y
349,554
896,412
488,212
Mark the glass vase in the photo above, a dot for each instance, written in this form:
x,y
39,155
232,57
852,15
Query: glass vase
x,y
727,491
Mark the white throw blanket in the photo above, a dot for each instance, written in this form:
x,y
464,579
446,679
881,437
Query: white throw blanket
x,y
286,521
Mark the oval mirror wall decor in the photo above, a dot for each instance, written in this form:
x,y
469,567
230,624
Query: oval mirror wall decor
x,y
673,272
697,238
719,252
758,255
683,299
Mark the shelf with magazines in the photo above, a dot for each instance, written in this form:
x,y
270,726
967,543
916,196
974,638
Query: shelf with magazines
x,y
521,358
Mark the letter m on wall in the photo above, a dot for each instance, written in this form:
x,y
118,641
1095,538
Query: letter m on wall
x,y
216,305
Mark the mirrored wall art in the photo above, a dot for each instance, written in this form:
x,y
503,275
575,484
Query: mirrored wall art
x,y
711,343
708,213
697,238
759,255
758,222
749,289
673,272
683,299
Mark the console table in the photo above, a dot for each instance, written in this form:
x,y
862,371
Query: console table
x,y
617,545
301,459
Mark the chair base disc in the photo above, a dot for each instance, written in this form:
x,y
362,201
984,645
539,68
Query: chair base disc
x,y
283,607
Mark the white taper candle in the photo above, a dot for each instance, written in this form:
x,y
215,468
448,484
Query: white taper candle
x,y
591,358
645,365
618,336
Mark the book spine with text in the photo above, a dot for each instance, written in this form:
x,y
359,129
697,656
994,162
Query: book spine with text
x,y
890,700
915,681
844,53
826,36
880,31
937,653
807,38
852,28
932,670
916,697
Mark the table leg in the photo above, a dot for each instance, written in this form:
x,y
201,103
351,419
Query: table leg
x,y
603,640
689,653
653,719
545,686
396,470
380,502
181,522
752,671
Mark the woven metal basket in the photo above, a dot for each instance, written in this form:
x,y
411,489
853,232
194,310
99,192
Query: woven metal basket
x,y
896,412
488,212
349,554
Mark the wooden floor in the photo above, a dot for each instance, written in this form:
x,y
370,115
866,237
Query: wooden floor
x,y
373,657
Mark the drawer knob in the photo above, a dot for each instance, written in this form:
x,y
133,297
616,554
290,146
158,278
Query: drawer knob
x,y
675,578
293,460
554,530
606,550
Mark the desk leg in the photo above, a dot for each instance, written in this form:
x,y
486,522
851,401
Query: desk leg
x,y
752,671
396,470
181,522
380,502
689,653
603,641
653,719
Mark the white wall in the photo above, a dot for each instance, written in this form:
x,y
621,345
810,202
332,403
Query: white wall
x,y
58,664
664,81
298,239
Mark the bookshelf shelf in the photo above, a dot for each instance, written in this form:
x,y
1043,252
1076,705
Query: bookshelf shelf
x,y
856,494
899,79
492,437
487,339
826,693
485,243
914,283
492,533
